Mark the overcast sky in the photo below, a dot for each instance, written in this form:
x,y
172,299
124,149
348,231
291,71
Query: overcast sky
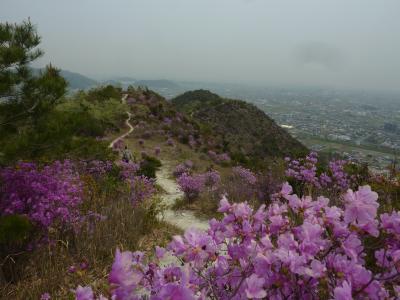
x,y
338,43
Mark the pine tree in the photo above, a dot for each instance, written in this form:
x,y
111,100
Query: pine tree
x,y
23,96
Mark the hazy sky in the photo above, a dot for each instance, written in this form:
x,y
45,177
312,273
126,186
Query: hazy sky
x,y
339,43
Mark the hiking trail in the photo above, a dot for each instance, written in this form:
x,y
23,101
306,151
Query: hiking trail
x,y
182,219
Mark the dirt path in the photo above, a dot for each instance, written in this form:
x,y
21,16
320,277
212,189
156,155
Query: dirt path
x,y
181,219
127,122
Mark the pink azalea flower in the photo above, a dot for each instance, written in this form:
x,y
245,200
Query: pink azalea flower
x,y
254,288
160,252
224,205
396,289
84,293
361,209
45,296
173,291
286,189
343,292
122,273
71,269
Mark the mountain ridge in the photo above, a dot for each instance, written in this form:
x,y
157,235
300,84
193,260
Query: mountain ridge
x,y
246,132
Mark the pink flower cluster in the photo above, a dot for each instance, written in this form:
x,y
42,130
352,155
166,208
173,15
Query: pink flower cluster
x,y
167,121
140,189
119,145
339,179
193,185
219,158
170,142
131,101
192,142
95,168
245,174
128,170
47,196
212,179
185,167
157,150
305,172
296,248
242,185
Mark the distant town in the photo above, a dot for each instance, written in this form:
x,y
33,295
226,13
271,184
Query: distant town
x,y
362,127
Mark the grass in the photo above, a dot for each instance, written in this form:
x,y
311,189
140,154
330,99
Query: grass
x,y
173,155
205,207
125,227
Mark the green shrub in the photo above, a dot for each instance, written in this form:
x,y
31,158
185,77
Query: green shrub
x,y
148,166
14,229
16,232
104,93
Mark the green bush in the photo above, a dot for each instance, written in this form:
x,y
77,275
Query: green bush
x,y
15,233
69,130
104,93
148,166
14,229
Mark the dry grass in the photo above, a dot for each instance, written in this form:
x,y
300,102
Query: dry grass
x,y
173,154
128,228
204,207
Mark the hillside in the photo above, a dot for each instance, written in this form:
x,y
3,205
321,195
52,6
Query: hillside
x,y
76,81
245,131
